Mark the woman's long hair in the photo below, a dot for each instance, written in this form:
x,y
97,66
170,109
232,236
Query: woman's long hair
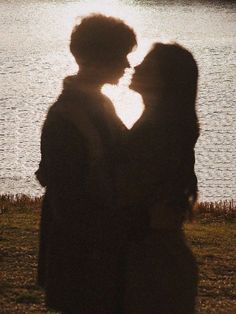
x,y
178,71
177,77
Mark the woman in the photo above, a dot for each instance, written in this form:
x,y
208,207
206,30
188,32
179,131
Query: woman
x,y
161,184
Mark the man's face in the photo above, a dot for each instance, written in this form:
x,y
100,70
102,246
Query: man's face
x,y
114,70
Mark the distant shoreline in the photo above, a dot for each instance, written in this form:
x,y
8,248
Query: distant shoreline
x,y
225,209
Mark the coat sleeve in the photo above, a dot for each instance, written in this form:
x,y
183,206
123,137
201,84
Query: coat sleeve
x,y
63,167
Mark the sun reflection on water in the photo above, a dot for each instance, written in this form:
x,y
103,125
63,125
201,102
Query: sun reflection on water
x,y
35,58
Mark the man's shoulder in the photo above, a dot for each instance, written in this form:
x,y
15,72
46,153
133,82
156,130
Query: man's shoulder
x,y
55,117
108,104
70,99
112,115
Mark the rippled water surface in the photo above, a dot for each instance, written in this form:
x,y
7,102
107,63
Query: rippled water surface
x,y
34,58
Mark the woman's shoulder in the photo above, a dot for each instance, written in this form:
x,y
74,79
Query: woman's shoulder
x,y
145,129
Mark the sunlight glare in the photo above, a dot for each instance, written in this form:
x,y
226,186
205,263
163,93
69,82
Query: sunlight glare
x,y
128,104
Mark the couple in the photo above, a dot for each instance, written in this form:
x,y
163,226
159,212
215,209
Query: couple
x,y
111,238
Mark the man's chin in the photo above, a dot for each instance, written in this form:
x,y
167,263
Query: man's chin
x,y
113,81
133,86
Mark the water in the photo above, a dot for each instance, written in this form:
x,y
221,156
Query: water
x,y
34,58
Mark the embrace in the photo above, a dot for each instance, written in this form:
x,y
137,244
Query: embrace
x,y
111,234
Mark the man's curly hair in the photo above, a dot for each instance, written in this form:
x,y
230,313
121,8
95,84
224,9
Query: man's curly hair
x,y
101,39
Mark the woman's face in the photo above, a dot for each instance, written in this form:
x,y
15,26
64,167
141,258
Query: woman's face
x,y
145,78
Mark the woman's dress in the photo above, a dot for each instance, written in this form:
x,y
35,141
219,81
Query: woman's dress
x,y
162,273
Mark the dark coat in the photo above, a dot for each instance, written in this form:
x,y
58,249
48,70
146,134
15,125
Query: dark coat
x,y
81,234
160,165
162,273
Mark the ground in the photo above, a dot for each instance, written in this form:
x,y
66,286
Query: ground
x,y
211,237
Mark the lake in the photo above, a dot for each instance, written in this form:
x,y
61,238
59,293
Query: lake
x,y
34,59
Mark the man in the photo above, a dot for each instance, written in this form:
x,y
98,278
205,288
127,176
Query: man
x,y
81,236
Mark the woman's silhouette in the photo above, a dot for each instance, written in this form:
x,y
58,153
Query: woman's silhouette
x,y
161,185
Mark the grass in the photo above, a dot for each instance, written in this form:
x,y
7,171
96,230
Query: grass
x,y
212,237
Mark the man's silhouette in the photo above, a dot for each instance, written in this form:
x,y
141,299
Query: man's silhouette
x,y
81,236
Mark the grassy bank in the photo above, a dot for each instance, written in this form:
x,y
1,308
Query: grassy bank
x,y
212,237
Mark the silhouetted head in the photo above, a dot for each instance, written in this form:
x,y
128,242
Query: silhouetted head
x,y
167,80
169,75
102,44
